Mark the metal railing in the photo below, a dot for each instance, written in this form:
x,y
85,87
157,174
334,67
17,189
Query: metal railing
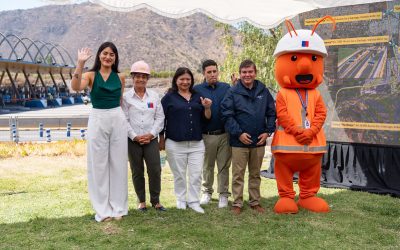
x,y
59,129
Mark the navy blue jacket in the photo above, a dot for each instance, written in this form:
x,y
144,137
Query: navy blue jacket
x,y
248,111
183,119
216,95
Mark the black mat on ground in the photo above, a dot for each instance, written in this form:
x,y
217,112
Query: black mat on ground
x,y
371,168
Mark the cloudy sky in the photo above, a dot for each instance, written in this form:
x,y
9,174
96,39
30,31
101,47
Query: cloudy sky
x,y
28,4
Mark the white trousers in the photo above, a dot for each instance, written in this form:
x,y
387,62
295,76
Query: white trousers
x,y
186,161
107,161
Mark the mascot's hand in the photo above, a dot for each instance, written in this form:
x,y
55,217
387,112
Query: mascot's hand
x,y
294,130
306,137
299,131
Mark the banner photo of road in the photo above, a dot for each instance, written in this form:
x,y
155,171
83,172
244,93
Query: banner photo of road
x,y
362,72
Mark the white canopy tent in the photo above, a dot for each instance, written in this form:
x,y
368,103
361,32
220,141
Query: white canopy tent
x,y
264,14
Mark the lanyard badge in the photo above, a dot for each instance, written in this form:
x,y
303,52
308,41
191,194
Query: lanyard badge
x,y
307,123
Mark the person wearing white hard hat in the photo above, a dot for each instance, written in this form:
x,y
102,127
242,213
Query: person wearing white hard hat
x,y
106,145
299,142
145,116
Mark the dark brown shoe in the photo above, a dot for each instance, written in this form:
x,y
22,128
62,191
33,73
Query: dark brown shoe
x,y
236,210
259,209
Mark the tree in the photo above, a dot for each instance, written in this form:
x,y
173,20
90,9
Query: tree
x,y
49,59
257,45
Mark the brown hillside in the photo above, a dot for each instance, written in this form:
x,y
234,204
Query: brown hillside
x,y
163,42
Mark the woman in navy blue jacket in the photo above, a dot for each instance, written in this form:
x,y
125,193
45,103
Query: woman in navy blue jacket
x,y
185,111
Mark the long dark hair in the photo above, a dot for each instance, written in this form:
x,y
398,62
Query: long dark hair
x,y
181,71
97,63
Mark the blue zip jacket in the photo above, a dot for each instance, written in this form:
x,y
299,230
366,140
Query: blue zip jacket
x,y
248,111
216,94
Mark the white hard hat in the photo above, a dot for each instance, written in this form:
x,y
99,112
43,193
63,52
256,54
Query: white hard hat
x,y
140,67
302,42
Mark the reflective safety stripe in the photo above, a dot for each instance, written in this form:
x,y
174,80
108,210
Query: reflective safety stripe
x,y
304,148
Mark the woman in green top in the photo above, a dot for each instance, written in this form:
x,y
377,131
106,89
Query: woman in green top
x,y
107,132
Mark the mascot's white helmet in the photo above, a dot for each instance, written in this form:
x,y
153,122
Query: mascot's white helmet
x,y
303,41
306,41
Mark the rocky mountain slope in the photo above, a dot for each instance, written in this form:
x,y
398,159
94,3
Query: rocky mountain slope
x,y
163,42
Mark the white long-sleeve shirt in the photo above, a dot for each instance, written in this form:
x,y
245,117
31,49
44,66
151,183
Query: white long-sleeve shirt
x,y
144,115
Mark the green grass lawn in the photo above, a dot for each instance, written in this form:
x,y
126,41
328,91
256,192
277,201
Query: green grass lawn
x,y
44,205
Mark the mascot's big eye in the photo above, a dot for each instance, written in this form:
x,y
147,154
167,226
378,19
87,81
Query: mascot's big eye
x,y
314,58
293,58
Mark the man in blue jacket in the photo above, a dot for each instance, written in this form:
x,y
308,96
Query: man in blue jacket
x,y
249,113
214,136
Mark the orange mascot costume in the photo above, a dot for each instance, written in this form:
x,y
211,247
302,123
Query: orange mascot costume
x,y
299,141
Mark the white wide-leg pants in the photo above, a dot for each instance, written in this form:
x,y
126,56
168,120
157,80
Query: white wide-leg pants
x,y
186,162
107,161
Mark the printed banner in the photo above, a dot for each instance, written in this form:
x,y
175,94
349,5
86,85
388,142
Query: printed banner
x,y
347,18
356,40
364,125
362,73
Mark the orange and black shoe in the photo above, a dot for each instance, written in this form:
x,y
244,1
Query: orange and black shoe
x,y
159,207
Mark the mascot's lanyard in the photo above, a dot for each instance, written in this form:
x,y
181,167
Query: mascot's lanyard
x,y
304,105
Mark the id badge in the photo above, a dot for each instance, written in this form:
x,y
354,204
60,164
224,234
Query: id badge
x,y
307,124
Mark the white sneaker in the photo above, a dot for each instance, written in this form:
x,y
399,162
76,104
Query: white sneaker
x,y
196,207
205,199
223,202
181,205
